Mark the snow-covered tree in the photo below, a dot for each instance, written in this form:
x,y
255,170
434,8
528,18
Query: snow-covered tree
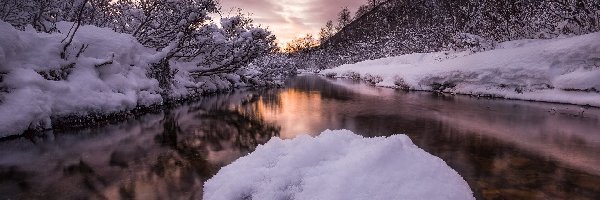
x,y
277,66
39,14
232,47
156,23
181,29
213,49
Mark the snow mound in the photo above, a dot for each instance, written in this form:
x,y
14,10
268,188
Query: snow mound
x,y
565,70
338,165
41,84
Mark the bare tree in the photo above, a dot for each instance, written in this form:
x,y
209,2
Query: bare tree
x,y
301,44
326,32
344,18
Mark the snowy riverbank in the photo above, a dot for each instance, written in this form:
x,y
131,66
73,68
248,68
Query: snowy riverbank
x,y
565,70
103,72
338,165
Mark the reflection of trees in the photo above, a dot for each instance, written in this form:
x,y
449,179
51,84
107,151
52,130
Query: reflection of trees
x,y
166,158
13,178
325,89
242,132
212,131
186,165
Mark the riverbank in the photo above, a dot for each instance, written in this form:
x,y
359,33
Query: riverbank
x,y
101,75
565,70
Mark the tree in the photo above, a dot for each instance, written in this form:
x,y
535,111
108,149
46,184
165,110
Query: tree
x,y
234,46
301,44
326,32
344,18
21,13
213,49
362,10
374,3
156,23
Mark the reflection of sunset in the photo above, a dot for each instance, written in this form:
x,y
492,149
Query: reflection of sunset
x,y
296,113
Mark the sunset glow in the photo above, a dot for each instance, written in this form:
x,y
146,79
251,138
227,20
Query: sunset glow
x,y
289,19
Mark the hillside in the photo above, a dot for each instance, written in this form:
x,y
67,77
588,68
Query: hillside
x,y
398,27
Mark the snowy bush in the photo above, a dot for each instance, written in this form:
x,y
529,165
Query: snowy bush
x,y
400,83
338,165
372,79
331,75
351,75
471,42
276,66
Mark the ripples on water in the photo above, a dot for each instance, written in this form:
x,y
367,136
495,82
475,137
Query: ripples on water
x,y
504,149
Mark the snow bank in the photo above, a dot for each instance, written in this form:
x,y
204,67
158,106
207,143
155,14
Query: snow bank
x,y
338,165
109,76
565,70
41,84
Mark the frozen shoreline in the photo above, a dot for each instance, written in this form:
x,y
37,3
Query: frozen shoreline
x,y
555,70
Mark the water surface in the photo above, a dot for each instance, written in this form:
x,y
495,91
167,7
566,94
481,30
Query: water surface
x,y
504,149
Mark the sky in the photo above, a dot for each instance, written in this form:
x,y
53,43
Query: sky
x,y
288,19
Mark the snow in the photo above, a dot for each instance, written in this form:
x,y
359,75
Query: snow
x,y
32,99
338,165
563,70
109,76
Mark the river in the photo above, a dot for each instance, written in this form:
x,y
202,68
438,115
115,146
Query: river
x,y
504,149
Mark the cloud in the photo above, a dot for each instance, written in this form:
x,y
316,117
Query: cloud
x,y
288,19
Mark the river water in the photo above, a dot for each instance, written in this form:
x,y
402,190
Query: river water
x,y
504,149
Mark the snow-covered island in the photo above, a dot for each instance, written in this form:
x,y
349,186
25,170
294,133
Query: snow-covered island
x,y
562,70
338,165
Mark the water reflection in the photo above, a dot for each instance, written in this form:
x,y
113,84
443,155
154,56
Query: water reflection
x,y
160,156
504,149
